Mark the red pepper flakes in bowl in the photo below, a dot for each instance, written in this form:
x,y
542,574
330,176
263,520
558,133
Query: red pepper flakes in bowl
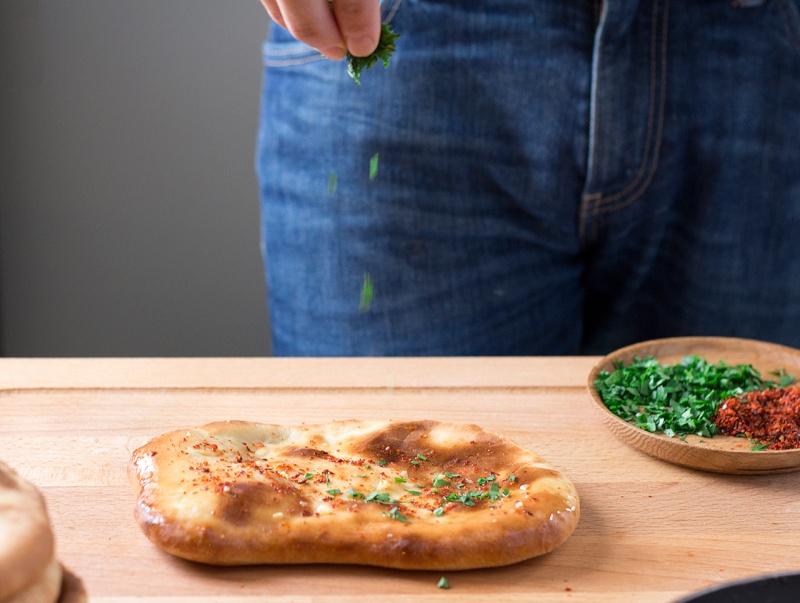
x,y
770,416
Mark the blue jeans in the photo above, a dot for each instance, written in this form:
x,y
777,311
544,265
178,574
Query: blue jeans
x,y
536,177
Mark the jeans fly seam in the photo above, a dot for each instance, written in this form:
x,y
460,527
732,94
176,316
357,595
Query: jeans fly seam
x,y
791,22
637,188
587,198
597,203
607,204
650,112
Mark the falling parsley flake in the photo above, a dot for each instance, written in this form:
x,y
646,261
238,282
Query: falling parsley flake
x,y
333,181
373,166
443,583
366,294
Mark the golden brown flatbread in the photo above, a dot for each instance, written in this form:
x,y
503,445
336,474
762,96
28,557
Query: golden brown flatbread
x,y
46,588
26,539
408,495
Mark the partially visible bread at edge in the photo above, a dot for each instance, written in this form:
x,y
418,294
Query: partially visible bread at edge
x,y
46,588
26,539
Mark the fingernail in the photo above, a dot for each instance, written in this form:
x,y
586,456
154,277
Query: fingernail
x,y
335,53
361,46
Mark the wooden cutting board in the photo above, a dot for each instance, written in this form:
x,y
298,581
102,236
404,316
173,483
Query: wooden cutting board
x,y
649,531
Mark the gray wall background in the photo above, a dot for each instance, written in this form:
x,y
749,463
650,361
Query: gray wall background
x,y
128,199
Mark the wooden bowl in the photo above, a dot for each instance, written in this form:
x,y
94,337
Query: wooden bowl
x,y
720,454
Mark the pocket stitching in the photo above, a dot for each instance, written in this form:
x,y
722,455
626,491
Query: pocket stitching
x,y
291,53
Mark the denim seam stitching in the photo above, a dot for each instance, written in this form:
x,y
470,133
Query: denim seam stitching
x,y
392,11
300,53
596,203
285,62
605,204
791,22
587,198
650,113
295,48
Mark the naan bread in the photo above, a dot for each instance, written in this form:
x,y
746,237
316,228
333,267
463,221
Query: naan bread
x,y
26,539
46,588
408,495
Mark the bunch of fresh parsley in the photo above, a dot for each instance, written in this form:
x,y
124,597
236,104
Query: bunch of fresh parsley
x,y
384,51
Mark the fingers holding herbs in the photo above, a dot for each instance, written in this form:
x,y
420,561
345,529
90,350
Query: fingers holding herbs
x,y
335,28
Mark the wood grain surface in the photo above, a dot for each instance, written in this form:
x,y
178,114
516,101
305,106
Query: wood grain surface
x,y
649,531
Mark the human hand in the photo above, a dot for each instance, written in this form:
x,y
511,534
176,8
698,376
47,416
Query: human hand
x,y
333,27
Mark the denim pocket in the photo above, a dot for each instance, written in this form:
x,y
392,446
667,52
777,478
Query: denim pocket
x,y
790,15
282,50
